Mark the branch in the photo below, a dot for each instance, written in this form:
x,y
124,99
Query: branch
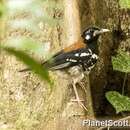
x,y
72,21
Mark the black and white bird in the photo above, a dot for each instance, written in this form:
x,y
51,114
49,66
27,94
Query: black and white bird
x,y
82,55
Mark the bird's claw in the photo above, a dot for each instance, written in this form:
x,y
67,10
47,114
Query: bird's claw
x,y
79,101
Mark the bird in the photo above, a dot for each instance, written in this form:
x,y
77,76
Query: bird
x,y
78,58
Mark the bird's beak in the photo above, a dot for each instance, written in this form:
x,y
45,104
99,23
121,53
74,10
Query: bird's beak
x,y
101,31
104,31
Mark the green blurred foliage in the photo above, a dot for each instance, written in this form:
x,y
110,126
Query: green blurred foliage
x,y
121,62
124,3
2,9
119,102
30,62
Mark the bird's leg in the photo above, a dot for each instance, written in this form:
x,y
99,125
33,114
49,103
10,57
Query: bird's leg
x,y
77,76
77,97
83,87
76,94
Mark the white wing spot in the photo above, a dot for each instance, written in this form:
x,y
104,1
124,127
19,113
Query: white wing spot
x,y
85,54
94,56
90,51
71,60
77,54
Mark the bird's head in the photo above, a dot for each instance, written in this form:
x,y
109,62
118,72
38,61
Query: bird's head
x,y
91,35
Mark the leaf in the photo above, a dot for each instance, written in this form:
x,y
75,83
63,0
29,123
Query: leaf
x,y
2,9
30,62
118,101
121,62
124,3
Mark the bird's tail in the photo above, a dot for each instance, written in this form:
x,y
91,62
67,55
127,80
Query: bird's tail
x,y
28,69
56,63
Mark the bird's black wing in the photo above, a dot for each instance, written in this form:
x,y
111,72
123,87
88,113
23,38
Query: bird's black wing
x,y
68,59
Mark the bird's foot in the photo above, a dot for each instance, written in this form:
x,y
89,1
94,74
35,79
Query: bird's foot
x,y
78,99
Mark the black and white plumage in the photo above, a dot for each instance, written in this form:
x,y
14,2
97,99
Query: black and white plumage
x,y
82,57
